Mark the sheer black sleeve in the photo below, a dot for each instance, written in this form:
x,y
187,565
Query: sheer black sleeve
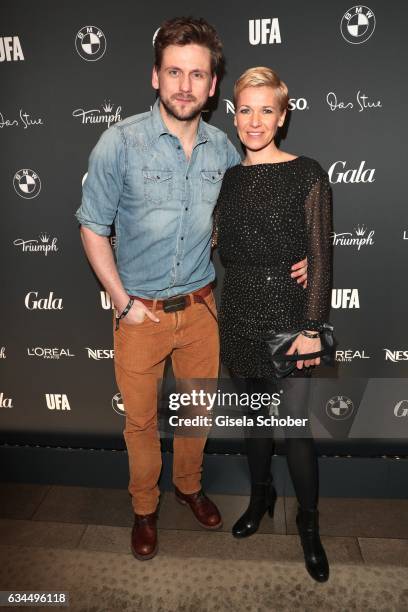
x,y
318,212
224,193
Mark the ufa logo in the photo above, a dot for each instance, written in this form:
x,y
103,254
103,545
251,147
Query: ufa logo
x,y
10,49
57,401
345,298
106,301
357,24
27,184
90,43
264,31
117,404
339,408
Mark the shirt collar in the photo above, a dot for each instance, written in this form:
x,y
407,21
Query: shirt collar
x,y
160,128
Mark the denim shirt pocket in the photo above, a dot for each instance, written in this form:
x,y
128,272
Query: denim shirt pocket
x,y
157,185
211,185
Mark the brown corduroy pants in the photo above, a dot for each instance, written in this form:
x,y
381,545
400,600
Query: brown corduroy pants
x,y
190,336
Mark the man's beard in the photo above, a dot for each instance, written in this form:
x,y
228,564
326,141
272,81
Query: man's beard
x,y
171,109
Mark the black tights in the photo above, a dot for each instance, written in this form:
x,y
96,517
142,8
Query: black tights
x,y
300,451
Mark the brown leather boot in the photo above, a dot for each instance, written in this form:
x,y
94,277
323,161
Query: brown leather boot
x,y
204,510
144,536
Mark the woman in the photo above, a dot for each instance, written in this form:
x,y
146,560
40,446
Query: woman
x,y
274,209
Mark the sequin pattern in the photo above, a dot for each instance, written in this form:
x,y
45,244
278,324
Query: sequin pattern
x,y
268,217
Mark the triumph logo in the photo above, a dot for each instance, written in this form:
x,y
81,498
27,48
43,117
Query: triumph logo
x,y
359,240
25,119
401,408
2,352
349,355
44,245
10,49
5,402
264,31
27,184
48,303
105,114
90,43
49,353
57,401
357,24
98,354
395,356
106,300
359,175
117,404
345,298
339,408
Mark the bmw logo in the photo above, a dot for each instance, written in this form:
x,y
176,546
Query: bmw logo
x,y
90,43
339,408
117,404
357,24
27,183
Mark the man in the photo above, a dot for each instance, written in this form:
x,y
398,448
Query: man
x,y
157,175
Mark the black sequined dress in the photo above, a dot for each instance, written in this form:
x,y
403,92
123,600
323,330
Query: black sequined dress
x,y
268,217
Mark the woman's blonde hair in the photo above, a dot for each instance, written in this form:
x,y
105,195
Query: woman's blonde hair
x,y
262,76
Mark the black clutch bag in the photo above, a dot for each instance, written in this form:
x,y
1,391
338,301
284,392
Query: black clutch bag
x,y
278,343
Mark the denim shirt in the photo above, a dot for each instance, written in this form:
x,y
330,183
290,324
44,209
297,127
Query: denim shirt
x,y
161,203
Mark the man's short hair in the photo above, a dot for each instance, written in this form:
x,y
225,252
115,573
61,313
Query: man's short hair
x,y
187,31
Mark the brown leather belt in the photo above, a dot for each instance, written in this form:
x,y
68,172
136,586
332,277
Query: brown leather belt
x,y
177,302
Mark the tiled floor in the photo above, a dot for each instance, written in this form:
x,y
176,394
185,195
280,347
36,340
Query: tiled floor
x,y
77,539
354,530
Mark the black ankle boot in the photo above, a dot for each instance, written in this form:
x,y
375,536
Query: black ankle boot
x,y
315,557
263,499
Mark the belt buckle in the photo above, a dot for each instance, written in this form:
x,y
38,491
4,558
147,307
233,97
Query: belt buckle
x,y
178,302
